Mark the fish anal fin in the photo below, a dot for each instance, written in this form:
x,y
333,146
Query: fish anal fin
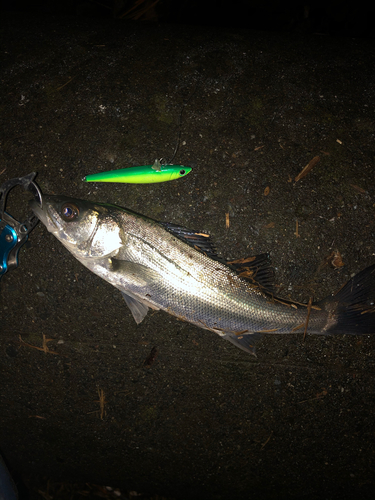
x,y
245,341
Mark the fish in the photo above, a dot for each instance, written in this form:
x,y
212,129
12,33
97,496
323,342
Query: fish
x,y
146,174
163,266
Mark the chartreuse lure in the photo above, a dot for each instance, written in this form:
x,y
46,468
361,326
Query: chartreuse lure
x,y
147,174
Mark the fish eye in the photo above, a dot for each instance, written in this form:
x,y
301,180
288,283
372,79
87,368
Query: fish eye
x,y
69,212
182,172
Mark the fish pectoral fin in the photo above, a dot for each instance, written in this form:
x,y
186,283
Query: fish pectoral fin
x,y
245,341
137,308
142,278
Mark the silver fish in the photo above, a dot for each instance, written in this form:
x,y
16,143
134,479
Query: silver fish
x,y
163,266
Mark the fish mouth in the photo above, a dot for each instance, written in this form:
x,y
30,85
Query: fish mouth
x,y
46,216
37,209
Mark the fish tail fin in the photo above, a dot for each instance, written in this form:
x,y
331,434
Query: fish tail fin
x,y
352,309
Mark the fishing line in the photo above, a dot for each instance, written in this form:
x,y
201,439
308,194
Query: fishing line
x,y
179,126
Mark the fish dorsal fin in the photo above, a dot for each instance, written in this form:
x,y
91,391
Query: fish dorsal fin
x,y
199,241
256,270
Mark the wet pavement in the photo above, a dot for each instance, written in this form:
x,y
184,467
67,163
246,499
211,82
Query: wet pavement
x,y
164,407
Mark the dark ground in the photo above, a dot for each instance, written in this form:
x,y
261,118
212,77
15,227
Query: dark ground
x,y
204,420
330,17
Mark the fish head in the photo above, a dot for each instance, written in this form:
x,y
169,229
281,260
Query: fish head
x,y
86,229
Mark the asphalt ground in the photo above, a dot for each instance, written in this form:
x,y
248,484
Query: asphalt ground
x,y
166,408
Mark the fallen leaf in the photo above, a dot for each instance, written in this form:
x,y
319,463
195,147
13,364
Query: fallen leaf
x,y
358,189
334,260
151,357
337,259
266,191
308,167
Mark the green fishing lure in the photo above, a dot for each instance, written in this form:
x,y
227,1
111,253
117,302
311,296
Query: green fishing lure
x,y
147,174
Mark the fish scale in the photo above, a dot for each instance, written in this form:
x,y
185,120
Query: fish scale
x,y
237,305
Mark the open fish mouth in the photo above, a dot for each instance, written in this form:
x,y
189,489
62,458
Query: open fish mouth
x,y
50,220
38,210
